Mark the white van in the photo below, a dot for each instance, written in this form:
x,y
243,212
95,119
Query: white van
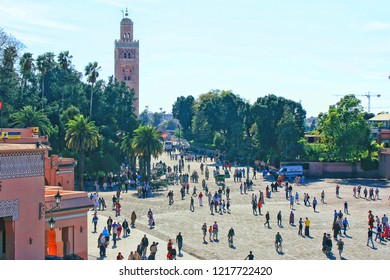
x,y
291,171
168,145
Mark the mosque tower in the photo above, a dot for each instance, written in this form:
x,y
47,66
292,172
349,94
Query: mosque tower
x,y
127,59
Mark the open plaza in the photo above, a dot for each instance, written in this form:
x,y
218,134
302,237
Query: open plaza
x,y
250,232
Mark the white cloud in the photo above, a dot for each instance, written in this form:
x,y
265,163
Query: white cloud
x,y
34,16
377,26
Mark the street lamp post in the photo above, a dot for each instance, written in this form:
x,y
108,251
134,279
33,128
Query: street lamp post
x,y
43,209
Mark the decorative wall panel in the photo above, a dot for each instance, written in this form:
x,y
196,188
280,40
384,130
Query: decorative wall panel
x,y
19,165
9,209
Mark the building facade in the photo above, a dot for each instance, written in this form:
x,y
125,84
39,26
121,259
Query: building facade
x,y
30,179
127,59
380,129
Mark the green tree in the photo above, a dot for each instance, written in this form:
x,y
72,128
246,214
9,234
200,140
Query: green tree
x,y
30,117
92,73
9,79
147,142
183,110
273,114
27,67
64,59
344,130
289,133
82,136
128,150
45,63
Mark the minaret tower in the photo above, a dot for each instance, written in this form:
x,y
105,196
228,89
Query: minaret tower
x,y
127,59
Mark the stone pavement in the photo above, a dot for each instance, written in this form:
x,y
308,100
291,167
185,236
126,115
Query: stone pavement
x,y
251,234
124,244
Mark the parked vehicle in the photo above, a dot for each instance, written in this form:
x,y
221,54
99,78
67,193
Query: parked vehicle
x,y
168,145
291,171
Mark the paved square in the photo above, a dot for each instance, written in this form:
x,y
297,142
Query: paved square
x,y
250,232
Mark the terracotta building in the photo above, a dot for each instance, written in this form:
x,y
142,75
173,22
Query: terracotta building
x,y
127,59
380,129
30,180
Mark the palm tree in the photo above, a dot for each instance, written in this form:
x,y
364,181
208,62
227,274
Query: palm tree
x,y
64,60
45,63
81,136
127,148
92,73
147,142
30,117
27,66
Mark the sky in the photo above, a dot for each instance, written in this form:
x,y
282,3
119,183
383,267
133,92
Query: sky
x,y
313,52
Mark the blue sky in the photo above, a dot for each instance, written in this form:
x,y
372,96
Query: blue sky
x,y
308,51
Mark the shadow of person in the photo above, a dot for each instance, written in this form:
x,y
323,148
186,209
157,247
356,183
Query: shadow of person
x,y
331,256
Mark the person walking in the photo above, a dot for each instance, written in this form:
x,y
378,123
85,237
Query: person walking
x,y
150,219
307,227
126,228
230,237
114,232
267,217
379,233
291,198
210,233
254,207
132,219
250,256
340,247
259,205
336,229
291,220
254,174
215,231
323,196
296,197
119,257
179,242
345,225
279,217
300,227
200,197
369,238
153,250
145,244
95,220
204,231
346,208
314,204
109,224
192,206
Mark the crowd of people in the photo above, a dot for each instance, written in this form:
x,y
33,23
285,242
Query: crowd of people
x,y
219,203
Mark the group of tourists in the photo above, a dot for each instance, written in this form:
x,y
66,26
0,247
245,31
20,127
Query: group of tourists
x,y
219,202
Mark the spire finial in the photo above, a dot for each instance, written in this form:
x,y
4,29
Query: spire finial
x,y
126,14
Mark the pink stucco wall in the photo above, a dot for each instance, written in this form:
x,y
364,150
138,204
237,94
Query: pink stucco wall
x,y
337,169
29,192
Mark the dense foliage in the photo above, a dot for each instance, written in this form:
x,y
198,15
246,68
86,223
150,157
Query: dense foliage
x,y
48,92
93,120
